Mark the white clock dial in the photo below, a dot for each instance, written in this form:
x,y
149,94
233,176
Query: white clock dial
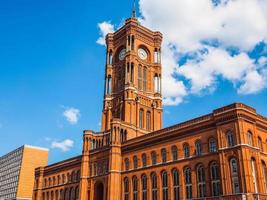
x,y
122,54
142,54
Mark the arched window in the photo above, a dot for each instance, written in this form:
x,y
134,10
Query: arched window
x,y
260,143
186,150
215,179
110,58
234,175
126,189
45,182
135,188
109,85
188,183
163,155
72,194
176,183
47,196
145,79
249,138
140,77
148,120
126,164
135,162
154,157
77,193
212,145
141,118
164,176
56,194
43,196
198,148
58,180
61,195
254,174
156,83
132,72
78,174
201,181
52,195
144,160
154,186
144,187
264,172
174,153
230,139
66,194
156,56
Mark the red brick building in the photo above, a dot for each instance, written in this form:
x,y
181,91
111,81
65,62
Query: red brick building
x,y
221,155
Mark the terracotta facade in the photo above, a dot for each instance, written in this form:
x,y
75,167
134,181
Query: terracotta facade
x,y
221,155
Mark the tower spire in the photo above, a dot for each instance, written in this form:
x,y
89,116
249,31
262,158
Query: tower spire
x,y
134,9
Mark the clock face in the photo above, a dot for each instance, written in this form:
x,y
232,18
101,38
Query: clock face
x,y
122,54
142,54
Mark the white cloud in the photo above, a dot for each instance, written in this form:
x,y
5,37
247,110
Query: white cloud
x,y
64,145
186,24
105,28
72,115
207,32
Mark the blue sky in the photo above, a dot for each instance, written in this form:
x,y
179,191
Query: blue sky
x,y
52,68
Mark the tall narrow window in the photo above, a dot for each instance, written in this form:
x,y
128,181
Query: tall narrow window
x,y
110,58
61,195
127,164
164,185
264,172
109,85
176,183
144,187
126,189
198,148
140,77
66,194
154,158
174,153
154,186
215,179
260,143
249,138
254,175
135,162
156,82
188,183
234,175
141,118
230,139
156,56
132,43
163,155
145,79
201,181
186,150
144,160
212,145
132,73
135,188
148,120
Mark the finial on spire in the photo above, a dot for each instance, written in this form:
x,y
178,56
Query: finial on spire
x,y
134,10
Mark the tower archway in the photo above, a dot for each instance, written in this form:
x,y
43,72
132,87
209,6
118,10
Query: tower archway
x,y
99,191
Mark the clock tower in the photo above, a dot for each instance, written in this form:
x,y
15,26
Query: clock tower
x,y
132,93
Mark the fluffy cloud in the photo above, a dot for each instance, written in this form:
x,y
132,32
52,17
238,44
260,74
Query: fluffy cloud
x,y
72,115
206,40
204,33
105,28
64,145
